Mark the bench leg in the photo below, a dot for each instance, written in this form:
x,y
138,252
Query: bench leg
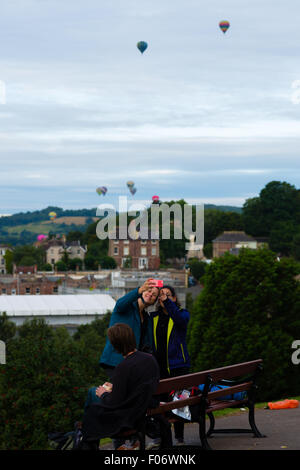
x,y
202,432
252,423
211,424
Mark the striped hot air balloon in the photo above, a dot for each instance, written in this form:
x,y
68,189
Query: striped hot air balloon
x,y
224,25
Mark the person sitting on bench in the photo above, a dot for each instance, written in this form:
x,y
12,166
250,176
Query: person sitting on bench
x,y
113,408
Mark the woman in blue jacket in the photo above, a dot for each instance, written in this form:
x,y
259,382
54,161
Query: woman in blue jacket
x,y
170,323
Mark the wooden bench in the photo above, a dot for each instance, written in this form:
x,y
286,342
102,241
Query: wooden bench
x,y
239,378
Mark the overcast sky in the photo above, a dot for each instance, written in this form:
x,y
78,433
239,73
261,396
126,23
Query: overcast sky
x,y
201,115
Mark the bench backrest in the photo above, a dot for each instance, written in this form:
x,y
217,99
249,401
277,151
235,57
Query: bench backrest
x,y
216,375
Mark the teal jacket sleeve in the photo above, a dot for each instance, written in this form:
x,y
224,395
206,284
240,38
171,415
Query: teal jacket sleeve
x,y
124,302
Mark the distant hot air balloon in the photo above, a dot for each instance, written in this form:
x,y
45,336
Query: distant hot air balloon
x,y
130,184
41,237
142,46
155,198
52,215
224,25
101,190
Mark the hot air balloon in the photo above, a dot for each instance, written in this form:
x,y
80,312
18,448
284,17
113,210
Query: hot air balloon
x,y
224,25
155,198
41,237
142,46
101,190
130,184
52,215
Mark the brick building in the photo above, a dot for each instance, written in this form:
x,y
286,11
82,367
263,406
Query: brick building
x,y
26,284
136,254
232,242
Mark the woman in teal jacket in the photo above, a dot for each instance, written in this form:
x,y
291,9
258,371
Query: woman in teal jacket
x,y
130,309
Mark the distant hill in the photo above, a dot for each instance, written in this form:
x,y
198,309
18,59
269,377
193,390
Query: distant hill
x,y
224,208
23,228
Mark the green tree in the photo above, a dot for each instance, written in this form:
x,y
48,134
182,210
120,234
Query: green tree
x,y
278,202
7,328
74,262
197,267
44,383
61,266
9,261
249,309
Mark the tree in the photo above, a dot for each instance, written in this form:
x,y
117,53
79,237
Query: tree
x,y
9,261
7,328
44,383
197,267
278,202
249,309
74,262
61,266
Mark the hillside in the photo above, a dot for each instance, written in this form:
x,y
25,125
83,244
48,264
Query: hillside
x,y
23,228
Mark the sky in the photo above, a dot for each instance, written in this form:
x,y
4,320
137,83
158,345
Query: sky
x,y
203,116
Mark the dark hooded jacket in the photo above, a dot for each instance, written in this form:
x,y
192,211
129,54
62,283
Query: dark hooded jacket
x,y
134,381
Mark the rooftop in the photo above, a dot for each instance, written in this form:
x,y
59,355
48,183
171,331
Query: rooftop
x,y
234,236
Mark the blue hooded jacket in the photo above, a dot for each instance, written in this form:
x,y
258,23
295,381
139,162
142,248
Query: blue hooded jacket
x,y
126,311
176,348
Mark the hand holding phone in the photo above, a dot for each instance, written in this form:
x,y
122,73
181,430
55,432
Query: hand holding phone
x,y
158,283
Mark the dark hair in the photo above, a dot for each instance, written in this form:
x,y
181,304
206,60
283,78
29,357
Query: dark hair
x,y
172,290
122,338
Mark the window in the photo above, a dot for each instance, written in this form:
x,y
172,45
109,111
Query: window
x,y
126,241
143,250
153,242
13,292
37,291
143,242
55,289
27,290
126,250
116,250
3,291
143,263
153,251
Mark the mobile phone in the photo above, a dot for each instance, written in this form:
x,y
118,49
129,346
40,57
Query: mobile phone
x,y
158,283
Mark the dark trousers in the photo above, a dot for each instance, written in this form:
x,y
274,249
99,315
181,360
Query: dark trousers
x,y
178,425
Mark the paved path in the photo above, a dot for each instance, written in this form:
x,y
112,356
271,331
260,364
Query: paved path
x,y
281,427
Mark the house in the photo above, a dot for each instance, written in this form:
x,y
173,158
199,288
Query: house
x,y
232,242
75,250
135,253
57,248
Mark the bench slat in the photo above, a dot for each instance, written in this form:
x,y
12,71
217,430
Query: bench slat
x,y
190,380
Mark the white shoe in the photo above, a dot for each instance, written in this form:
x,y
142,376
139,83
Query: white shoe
x,y
155,444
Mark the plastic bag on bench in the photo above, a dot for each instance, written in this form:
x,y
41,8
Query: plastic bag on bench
x,y
233,396
185,411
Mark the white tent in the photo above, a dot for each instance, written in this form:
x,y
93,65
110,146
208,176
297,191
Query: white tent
x,y
56,309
